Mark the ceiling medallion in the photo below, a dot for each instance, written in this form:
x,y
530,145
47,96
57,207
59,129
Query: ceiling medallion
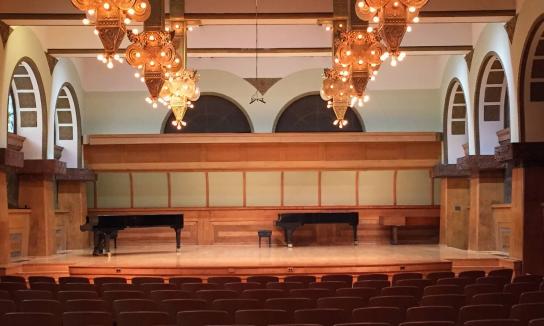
x,y
393,19
111,18
154,55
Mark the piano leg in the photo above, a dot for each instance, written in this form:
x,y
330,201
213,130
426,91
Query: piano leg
x,y
107,242
355,240
289,237
178,239
98,239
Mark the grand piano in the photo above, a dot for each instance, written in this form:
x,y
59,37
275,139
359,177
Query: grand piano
x,y
106,227
290,221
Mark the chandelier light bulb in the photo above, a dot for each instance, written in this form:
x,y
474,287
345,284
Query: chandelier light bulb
x,y
340,25
402,55
409,29
360,102
174,123
136,75
127,21
86,21
370,29
152,63
110,64
177,60
373,78
138,54
366,98
393,62
154,105
344,79
348,52
372,9
116,56
361,4
179,127
375,73
143,5
95,32
142,79
360,36
148,100
395,4
151,37
100,57
416,20
328,28
163,54
91,12
135,31
344,122
361,62
384,56
107,6
190,28
131,11
412,9
376,19
335,122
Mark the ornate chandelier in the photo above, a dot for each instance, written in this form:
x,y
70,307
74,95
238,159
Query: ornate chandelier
x,y
111,18
361,53
393,18
337,90
179,93
154,55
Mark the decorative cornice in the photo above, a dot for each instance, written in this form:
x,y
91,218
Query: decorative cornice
x,y
521,154
449,171
510,27
479,163
5,31
43,167
11,158
262,84
468,58
51,61
77,175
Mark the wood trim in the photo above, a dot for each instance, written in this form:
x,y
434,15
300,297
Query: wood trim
x,y
282,202
266,165
131,185
95,196
432,186
395,187
207,189
357,188
169,180
229,138
244,189
319,188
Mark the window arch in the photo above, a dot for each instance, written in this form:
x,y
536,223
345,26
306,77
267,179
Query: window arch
x,y
28,103
455,122
310,114
492,105
67,127
531,90
211,114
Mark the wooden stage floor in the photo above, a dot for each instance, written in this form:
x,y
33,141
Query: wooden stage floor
x,y
243,260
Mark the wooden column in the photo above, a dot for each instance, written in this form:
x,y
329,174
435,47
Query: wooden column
x,y
486,189
454,205
72,190
8,159
36,191
5,247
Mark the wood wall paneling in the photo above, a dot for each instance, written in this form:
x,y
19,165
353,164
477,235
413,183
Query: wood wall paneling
x,y
19,230
263,188
4,220
188,189
73,199
150,189
338,188
414,187
301,188
113,190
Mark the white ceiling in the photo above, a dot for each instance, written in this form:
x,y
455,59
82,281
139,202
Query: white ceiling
x,y
304,44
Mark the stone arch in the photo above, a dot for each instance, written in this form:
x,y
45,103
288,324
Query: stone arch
x,y
30,107
67,126
455,122
531,84
492,105
213,113
309,113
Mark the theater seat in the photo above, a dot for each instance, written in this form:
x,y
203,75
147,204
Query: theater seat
x,y
41,279
211,295
484,311
389,315
443,289
402,302
373,277
7,306
73,279
261,317
290,304
506,299
363,293
405,276
85,305
142,318
87,318
173,306
503,272
532,297
347,304
431,313
411,291
375,284
202,318
181,280
325,317
363,324
233,305
473,274
305,279
455,301
263,294
29,319
160,295
537,322
331,285
428,323
64,296
286,286
435,276
48,306
21,295
240,287
493,322
346,278
312,294
526,312
128,305
221,280
146,279
13,279
262,279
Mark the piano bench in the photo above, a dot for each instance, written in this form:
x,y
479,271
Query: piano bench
x,y
265,234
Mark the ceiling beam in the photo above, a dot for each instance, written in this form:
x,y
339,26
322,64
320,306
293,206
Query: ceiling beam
x,y
277,52
467,16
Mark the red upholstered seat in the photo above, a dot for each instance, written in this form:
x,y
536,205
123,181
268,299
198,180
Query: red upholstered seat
x,y
325,317
221,280
64,296
373,277
127,305
305,279
29,319
493,322
146,279
503,272
402,290
263,279
389,315
87,318
375,284
173,306
455,301
233,305
143,318
211,295
73,279
180,280
506,299
240,286
313,294
41,279
484,311
405,276
443,289
331,285
528,279
431,313
532,297
286,286
202,318
290,305
161,295
85,305
363,293
261,317
435,276
428,323
346,278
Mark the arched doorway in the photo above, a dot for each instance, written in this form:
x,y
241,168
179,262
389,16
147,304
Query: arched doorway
x,y
67,126
455,123
492,105
211,114
310,114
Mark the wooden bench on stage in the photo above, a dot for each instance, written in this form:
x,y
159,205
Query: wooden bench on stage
x,y
394,222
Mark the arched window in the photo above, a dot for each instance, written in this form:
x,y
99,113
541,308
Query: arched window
x,y
211,114
28,105
455,123
531,91
67,126
310,114
12,120
492,105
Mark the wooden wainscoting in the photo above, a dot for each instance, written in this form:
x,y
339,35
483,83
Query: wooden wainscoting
x,y
502,214
19,228
240,225
62,217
